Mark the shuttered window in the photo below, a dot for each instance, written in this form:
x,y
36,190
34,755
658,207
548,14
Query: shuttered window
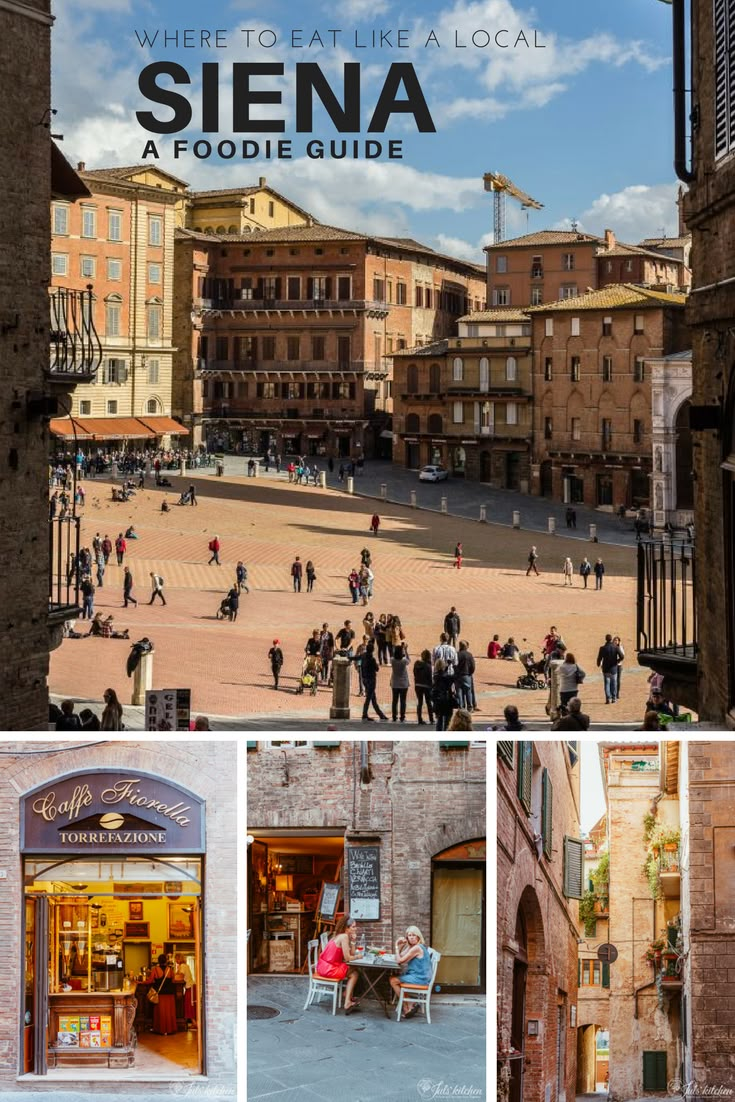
x,y
605,973
724,34
654,1071
505,752
525,766
573,867
547,804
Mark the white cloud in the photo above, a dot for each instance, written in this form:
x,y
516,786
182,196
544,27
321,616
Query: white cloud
x,y
361,9
638,211
456,246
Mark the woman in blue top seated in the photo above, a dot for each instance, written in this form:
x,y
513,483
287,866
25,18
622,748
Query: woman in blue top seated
x,y
413,955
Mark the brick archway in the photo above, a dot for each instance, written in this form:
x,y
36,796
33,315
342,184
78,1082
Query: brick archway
x,y
451,834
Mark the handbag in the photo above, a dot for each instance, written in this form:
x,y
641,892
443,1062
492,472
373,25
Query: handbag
x,y
154,995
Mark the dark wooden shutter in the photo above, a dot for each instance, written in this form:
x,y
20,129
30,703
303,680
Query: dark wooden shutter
x,y
259,289
606,973
310,287
579,973
547,806
723,77
505,750
328,287
525,766
252,746
573,867
654,1071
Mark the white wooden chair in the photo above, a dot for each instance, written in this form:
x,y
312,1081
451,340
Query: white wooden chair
x,y
318,985
420,993
323,940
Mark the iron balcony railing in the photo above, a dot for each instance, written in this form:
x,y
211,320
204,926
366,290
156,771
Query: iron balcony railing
x,y
666,606
372,307
669,860
63,597
76,350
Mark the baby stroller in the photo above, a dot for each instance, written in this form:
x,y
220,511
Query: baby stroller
x,y
224,612
309,680
533,678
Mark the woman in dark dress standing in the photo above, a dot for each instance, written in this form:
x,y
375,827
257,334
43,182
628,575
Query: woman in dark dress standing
x,y
164,1011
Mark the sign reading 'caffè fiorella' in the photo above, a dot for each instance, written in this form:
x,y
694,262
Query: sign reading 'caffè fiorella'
x,y
100,811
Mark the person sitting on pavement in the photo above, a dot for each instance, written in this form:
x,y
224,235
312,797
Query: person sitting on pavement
x,y
657,704
510,650
411,952
494,647
651,722
333,964
575,719
512,719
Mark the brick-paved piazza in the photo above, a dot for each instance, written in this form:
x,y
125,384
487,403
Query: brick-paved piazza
x,y
265,523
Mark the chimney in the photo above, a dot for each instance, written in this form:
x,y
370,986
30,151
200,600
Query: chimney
x,y
81,166
609,239
261,181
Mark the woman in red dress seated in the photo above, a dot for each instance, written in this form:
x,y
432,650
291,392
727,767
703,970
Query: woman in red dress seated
x,y
333,964
164,1011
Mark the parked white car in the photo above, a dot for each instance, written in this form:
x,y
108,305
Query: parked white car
x,y
433,474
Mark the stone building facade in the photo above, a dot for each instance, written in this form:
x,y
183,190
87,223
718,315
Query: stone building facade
x,y
203,774
672,485
642,791
465,402
592,396
593,1008
540,880
285,336
417,807
120,241
707,785
710,217
36,384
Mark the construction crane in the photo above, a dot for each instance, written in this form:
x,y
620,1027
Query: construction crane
x,y
501,186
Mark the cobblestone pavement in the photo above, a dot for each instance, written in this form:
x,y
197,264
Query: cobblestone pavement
x,y
265,522
301,1055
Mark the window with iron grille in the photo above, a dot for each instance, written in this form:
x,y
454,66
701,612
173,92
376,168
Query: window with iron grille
x,y
607,369
575,368
548,369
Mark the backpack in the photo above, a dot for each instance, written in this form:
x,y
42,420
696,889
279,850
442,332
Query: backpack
x,y
211,545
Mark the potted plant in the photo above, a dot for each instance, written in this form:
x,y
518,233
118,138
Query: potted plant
x,y
587,913
654,951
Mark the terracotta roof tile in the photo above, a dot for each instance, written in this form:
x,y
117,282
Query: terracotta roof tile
x,y
547,237
436,348
616,296
499,314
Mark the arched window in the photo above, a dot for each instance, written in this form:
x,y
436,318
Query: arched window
x,y
436,423
511,369
435,379
457,369
221,229
484,374
232,229
412,379
152,405
209,229
412,422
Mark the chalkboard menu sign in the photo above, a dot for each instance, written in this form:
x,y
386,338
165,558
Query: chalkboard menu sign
x,y
328,898
363,875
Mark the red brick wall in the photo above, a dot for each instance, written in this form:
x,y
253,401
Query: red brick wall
x,y
421,800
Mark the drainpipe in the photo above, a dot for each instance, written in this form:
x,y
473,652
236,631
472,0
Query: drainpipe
x,y
364,766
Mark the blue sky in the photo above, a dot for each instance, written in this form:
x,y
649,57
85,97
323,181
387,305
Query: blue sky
x,y
582,124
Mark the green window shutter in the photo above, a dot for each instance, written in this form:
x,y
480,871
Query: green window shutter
x,y
573,867
579,973
325,745
252,746
547,807
654,1071
454,745
505,752
606,973
525,766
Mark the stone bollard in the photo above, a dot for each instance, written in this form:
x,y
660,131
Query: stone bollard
x,y
444,505
384,490
516,518
413,499
182,469
147,467
323,480
593,533
341,674
142,677
483,514
256,468
552,526
350,484
219,468
114,471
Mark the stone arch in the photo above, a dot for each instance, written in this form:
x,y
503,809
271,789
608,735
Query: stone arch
x,y
575,408
436,423
451,834
640,410
435,378
413,422
684,457
412,379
